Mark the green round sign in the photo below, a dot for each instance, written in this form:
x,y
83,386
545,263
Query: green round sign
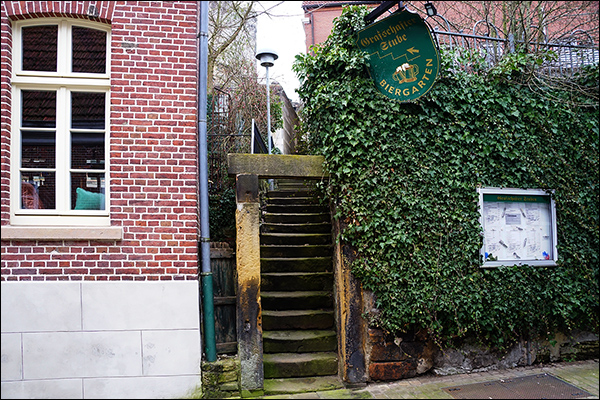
x,y
404,60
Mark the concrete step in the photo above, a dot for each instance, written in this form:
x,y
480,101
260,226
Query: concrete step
x,y
292,200
289,365
297,239
296,208
305,341
303,281
281,251
300,300
296,183
278,386
296,264
297,319
319,227
291,192
294,218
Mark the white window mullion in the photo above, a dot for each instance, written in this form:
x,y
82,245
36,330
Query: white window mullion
x,y
15,146
107,151
63,150
64,46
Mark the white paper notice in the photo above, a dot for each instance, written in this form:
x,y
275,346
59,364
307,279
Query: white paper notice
x,y
517,230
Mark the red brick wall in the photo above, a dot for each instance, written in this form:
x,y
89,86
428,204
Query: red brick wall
x,y
153,148
321,23
321,20
462,15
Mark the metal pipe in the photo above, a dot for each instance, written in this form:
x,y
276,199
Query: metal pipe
x,y
268,112
206,274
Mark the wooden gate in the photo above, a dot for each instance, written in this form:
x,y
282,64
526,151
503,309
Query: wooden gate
x,y
222,263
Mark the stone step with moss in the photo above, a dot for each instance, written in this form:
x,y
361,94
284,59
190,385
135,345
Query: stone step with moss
x,y
288,365
302,281
319,227
295,264
278,386
295,239
295,251
299,300
297,319
290,218
272,199
304,341
297,208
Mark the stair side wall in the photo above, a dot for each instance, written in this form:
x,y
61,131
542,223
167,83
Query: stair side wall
x,y
351,327
249,320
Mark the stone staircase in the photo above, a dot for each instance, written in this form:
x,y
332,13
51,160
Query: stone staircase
x,y
299,338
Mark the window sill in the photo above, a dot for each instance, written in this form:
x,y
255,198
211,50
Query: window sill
x,y
62,233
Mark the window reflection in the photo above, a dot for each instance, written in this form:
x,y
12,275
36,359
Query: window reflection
x,y
38,190
87,150
89,50
39,109
40,48
38,149
87,110
87,191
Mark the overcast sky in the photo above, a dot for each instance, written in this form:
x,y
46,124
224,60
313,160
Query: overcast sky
x,y
282,32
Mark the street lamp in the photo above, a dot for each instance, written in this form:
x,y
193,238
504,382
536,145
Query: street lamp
x,y
431,11
267,58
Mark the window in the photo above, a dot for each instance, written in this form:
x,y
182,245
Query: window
x,y
519,227
60,123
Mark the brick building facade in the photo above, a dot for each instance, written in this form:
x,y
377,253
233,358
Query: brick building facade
x,y
574,22
99,199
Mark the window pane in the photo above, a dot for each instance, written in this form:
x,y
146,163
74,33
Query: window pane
x,y
87,191
38,190
38,149
39,109
87,110
89,50
87,150
39,47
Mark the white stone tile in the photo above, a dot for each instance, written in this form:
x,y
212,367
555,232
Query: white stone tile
x,y
171,352
12,362
140,305
167,387
81,354
41,306
43,389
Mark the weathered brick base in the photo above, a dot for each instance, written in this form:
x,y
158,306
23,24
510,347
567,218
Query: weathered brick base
x,y
393,357
221,379
398,357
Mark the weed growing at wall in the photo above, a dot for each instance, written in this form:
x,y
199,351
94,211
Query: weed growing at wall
x,y
404,179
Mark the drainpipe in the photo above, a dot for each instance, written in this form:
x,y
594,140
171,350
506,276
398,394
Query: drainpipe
x,y
312,28
206,274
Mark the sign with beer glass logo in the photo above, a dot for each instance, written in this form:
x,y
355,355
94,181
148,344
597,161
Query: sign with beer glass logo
x,y
404,60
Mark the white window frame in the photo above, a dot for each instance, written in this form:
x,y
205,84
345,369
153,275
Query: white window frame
x,y
519,193
63,82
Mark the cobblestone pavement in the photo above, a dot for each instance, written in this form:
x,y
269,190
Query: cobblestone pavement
x,y
583,374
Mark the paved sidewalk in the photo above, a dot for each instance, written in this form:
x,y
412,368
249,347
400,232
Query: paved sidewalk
x,y
583,374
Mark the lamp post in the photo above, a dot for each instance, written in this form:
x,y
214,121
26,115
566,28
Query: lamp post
x,y
431,11
267,58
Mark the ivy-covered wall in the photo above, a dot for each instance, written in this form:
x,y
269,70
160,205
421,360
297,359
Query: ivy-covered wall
x,y
404,179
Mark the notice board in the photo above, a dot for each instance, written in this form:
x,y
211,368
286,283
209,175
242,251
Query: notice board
x,y
519,227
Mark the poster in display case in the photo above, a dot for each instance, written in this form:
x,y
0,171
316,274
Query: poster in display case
x,y
519,227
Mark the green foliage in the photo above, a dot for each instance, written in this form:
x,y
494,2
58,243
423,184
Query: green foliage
x,y
403,177
221,213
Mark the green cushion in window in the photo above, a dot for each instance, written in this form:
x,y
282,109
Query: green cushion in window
x,y
89,200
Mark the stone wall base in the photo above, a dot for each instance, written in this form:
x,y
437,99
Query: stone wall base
x,y
221,379
392,357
